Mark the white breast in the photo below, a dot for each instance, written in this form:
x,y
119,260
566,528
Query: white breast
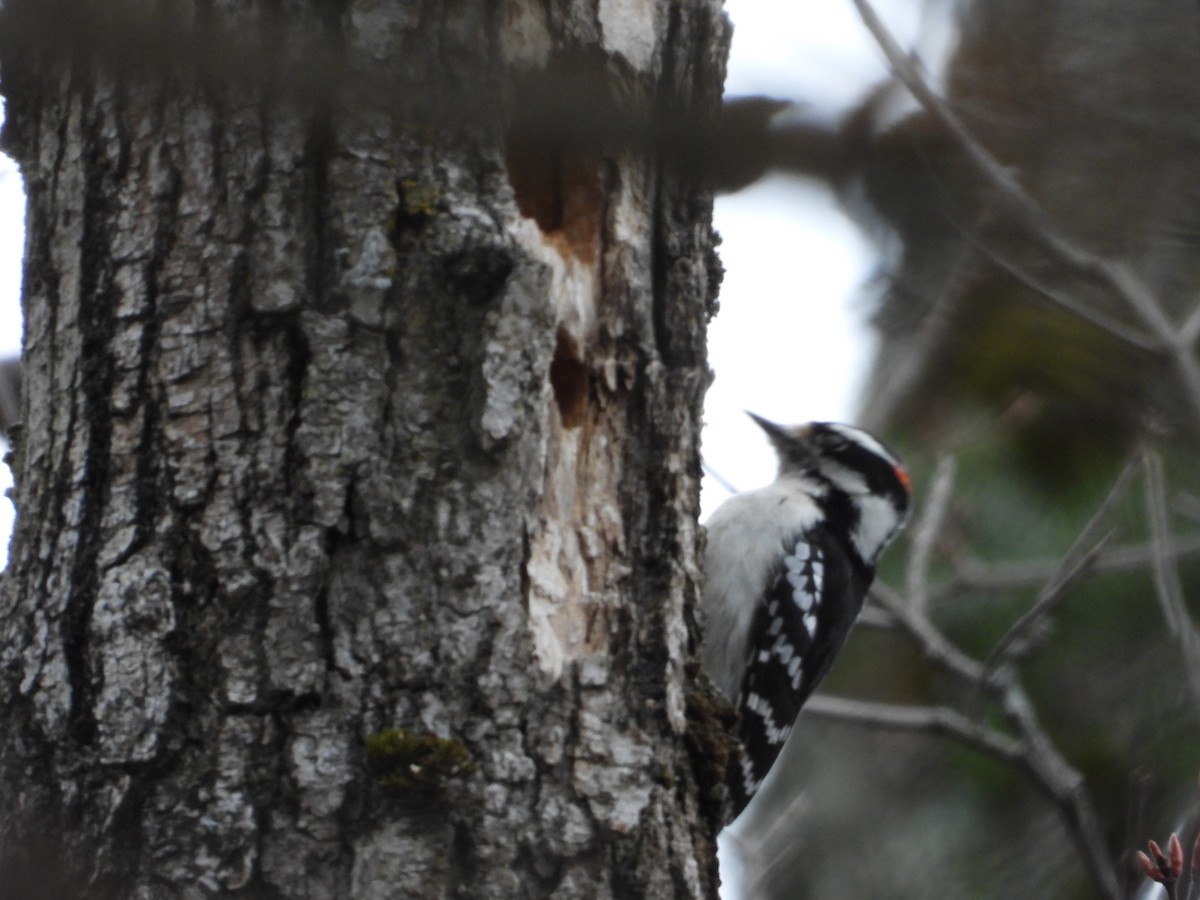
x,y
745,540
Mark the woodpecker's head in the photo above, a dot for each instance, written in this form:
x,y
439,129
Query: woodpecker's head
x,y
867,490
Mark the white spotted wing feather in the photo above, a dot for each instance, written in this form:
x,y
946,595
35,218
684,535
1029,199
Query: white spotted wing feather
x,y
789,632
736,560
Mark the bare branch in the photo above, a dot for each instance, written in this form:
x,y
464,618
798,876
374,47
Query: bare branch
x,y
877,618
1099,318
939,720
1166,575
771,848
1063,786
1047,600
925,534
716,476
934,645
1189,332
972,575
1080,558
1032,752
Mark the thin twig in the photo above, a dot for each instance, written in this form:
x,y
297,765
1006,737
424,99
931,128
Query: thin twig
x,y
716,476
934,645
773,845
940,720
925,534
1063,786
899,372
1189,332
1166,575
875,617
1047,600
1079,559
1099,318
972,575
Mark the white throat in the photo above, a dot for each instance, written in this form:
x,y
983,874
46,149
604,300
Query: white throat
x,y
878,521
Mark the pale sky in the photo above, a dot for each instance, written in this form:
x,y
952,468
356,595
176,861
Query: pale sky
x,y
12,246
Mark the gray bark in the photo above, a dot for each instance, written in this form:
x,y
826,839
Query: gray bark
x,y
331,431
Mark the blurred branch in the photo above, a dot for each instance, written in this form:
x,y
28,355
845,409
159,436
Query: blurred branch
x,y
572,101
1099,318
934,645
970,574
1080,558
716,476
1189,332
769,849
925,534
874,617
1071,571
939,720
1166,575
1116,276
914,364
1187,505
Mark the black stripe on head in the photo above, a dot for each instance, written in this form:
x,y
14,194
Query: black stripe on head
x,y
850,448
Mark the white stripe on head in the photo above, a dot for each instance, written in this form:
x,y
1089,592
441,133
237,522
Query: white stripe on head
x,y
860,437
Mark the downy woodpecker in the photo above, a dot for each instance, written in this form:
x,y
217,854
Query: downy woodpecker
x,y
786,572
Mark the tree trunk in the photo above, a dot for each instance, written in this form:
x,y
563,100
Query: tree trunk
x,y
356,550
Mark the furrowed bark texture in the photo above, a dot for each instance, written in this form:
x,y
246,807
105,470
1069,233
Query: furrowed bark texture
x,y
336,427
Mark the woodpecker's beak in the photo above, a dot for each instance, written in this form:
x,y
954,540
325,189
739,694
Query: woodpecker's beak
x,y
774,432
791,444
782,437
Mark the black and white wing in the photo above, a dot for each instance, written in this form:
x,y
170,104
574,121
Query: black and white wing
x,y
812,597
